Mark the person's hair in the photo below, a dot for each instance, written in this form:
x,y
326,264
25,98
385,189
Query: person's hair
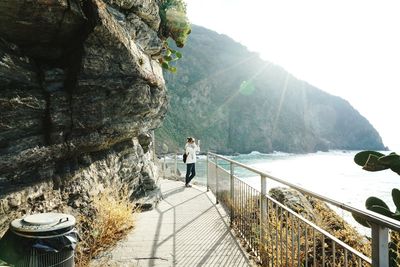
x,y
190,139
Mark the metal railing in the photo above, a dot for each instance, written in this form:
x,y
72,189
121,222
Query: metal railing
x,y
277,235
169,165
173,167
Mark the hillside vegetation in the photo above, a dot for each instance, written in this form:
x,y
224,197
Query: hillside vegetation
x,y
234,101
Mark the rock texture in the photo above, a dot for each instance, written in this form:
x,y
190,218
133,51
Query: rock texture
x,y
323,216
295,201
80,94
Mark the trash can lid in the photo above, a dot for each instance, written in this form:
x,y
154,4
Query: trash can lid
x,y
43,222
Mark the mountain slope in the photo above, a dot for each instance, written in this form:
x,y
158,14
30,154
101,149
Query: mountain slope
x,y
235,102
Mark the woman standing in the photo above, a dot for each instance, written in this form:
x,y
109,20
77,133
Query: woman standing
x,y
190,149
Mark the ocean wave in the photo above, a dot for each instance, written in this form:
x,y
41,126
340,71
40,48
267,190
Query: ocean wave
x,y
280,153
336,152
274,153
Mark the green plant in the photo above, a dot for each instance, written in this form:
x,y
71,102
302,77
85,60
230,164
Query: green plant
x,y
169,56
379,206
376,161
174,24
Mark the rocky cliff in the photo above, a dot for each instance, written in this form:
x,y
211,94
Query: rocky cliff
x,y
234,101
80,92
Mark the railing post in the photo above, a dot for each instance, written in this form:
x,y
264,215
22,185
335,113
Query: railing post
x,y
176,165
232,192
216,180
164,167
207,170
263,215
380,245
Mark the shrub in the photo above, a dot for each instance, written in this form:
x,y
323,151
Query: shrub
x,y
174,22
111,219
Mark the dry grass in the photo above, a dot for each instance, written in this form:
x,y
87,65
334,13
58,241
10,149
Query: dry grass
x,y
289,241
111,219
338,227
395,248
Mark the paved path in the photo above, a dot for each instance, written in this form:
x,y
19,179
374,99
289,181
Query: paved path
x,y
185,229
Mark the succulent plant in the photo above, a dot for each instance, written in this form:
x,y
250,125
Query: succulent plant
x,y
379,206
376,161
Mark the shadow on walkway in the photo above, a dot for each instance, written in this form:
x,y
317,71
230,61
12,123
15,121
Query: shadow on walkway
x,y
186,229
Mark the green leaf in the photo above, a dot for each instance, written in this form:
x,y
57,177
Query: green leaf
x,y
169,55
374,201
362,157
167,58
396,198
373,164
396,169
390,159
381,210
165,65
396,217
361,221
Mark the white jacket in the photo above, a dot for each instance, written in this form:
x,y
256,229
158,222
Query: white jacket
x,y
191,150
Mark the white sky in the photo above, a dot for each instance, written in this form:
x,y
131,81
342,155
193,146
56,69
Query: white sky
x,y
349,48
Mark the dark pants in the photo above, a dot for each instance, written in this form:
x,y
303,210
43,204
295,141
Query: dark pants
x,y
190,172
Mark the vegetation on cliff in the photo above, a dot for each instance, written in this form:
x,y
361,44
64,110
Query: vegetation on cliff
x,y
174,24
236,102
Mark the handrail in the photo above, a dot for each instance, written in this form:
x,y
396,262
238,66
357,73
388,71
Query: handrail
x,y
326,233
368,215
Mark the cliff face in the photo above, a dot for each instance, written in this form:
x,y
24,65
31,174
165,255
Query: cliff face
x,y
80,91
234,101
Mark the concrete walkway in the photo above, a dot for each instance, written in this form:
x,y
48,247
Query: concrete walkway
x,y
185,229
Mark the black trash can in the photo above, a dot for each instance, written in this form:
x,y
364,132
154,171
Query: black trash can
x,y
40,240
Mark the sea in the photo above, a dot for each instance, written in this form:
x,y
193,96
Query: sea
x,y
332,174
